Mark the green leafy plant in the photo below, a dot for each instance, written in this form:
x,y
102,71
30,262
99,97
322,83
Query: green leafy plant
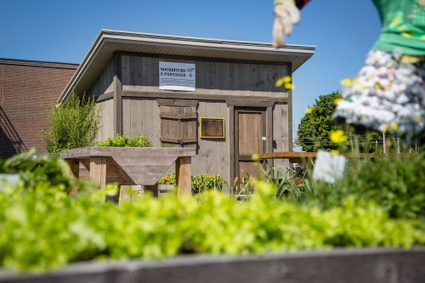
x,y
73,124
47,171
290,184
38,213
200,182
169,179
206,181
87,228
123,141
395,183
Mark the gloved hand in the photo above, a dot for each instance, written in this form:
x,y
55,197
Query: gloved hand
x,y
286,14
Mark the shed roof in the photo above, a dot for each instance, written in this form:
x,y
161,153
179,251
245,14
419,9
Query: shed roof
x,y
110,41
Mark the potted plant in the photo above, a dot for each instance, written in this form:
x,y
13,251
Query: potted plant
x,y
166,184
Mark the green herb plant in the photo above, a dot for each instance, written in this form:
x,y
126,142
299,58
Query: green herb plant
x,y
123,141
73,124
290,184
395,183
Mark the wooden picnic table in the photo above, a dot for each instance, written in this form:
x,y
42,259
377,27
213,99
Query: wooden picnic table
x,y
132,165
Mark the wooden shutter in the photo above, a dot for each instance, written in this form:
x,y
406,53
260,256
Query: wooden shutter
x,y
178,122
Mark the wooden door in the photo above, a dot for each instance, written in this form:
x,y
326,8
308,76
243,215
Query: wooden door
x,y
250,138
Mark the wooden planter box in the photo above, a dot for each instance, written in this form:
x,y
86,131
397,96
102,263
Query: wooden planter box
x,y
132,165
165,189
340,265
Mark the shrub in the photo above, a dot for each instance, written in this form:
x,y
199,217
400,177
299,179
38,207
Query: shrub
x,y
73,124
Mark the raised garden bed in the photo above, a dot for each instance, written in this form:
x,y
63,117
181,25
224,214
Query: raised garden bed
x,y
132,165
339,265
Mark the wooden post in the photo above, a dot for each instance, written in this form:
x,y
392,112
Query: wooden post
x,y
74,166
184,176
384,144
74,169
98,170
398,145
153,189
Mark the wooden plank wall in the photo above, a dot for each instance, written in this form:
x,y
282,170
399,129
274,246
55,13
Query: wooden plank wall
x,y
281,132
212,77
141,116
107,115
104,84
213,154
216,82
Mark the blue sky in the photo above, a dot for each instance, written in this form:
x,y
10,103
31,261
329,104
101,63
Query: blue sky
x,y
343,31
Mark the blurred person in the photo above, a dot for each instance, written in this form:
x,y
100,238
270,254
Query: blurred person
x,y
388,93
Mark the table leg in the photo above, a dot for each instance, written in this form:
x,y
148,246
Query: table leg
x,y
98,170
184,176
74,168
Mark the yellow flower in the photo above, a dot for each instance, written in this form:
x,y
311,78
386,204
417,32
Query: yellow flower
x,y
289,86
338,136
338,100
334,151
407,34
395,21
361,87
409,59
401,29
255,157
394,125
309,110
283,81
347,82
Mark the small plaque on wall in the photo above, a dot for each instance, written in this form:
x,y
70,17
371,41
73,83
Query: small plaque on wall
x,y
212,128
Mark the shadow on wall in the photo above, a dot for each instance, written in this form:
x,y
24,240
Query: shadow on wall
x,y
10,141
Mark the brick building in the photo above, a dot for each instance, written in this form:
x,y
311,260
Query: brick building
x,y
28,89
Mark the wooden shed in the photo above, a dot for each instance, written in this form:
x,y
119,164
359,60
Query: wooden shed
x,y
218,96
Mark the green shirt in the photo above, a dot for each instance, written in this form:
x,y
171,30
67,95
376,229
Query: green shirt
x,y
403,26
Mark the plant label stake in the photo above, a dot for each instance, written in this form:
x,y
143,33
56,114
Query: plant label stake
x,y
329,167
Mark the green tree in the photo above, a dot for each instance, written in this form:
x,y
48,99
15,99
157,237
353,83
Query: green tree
x,y
73,124
315,126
